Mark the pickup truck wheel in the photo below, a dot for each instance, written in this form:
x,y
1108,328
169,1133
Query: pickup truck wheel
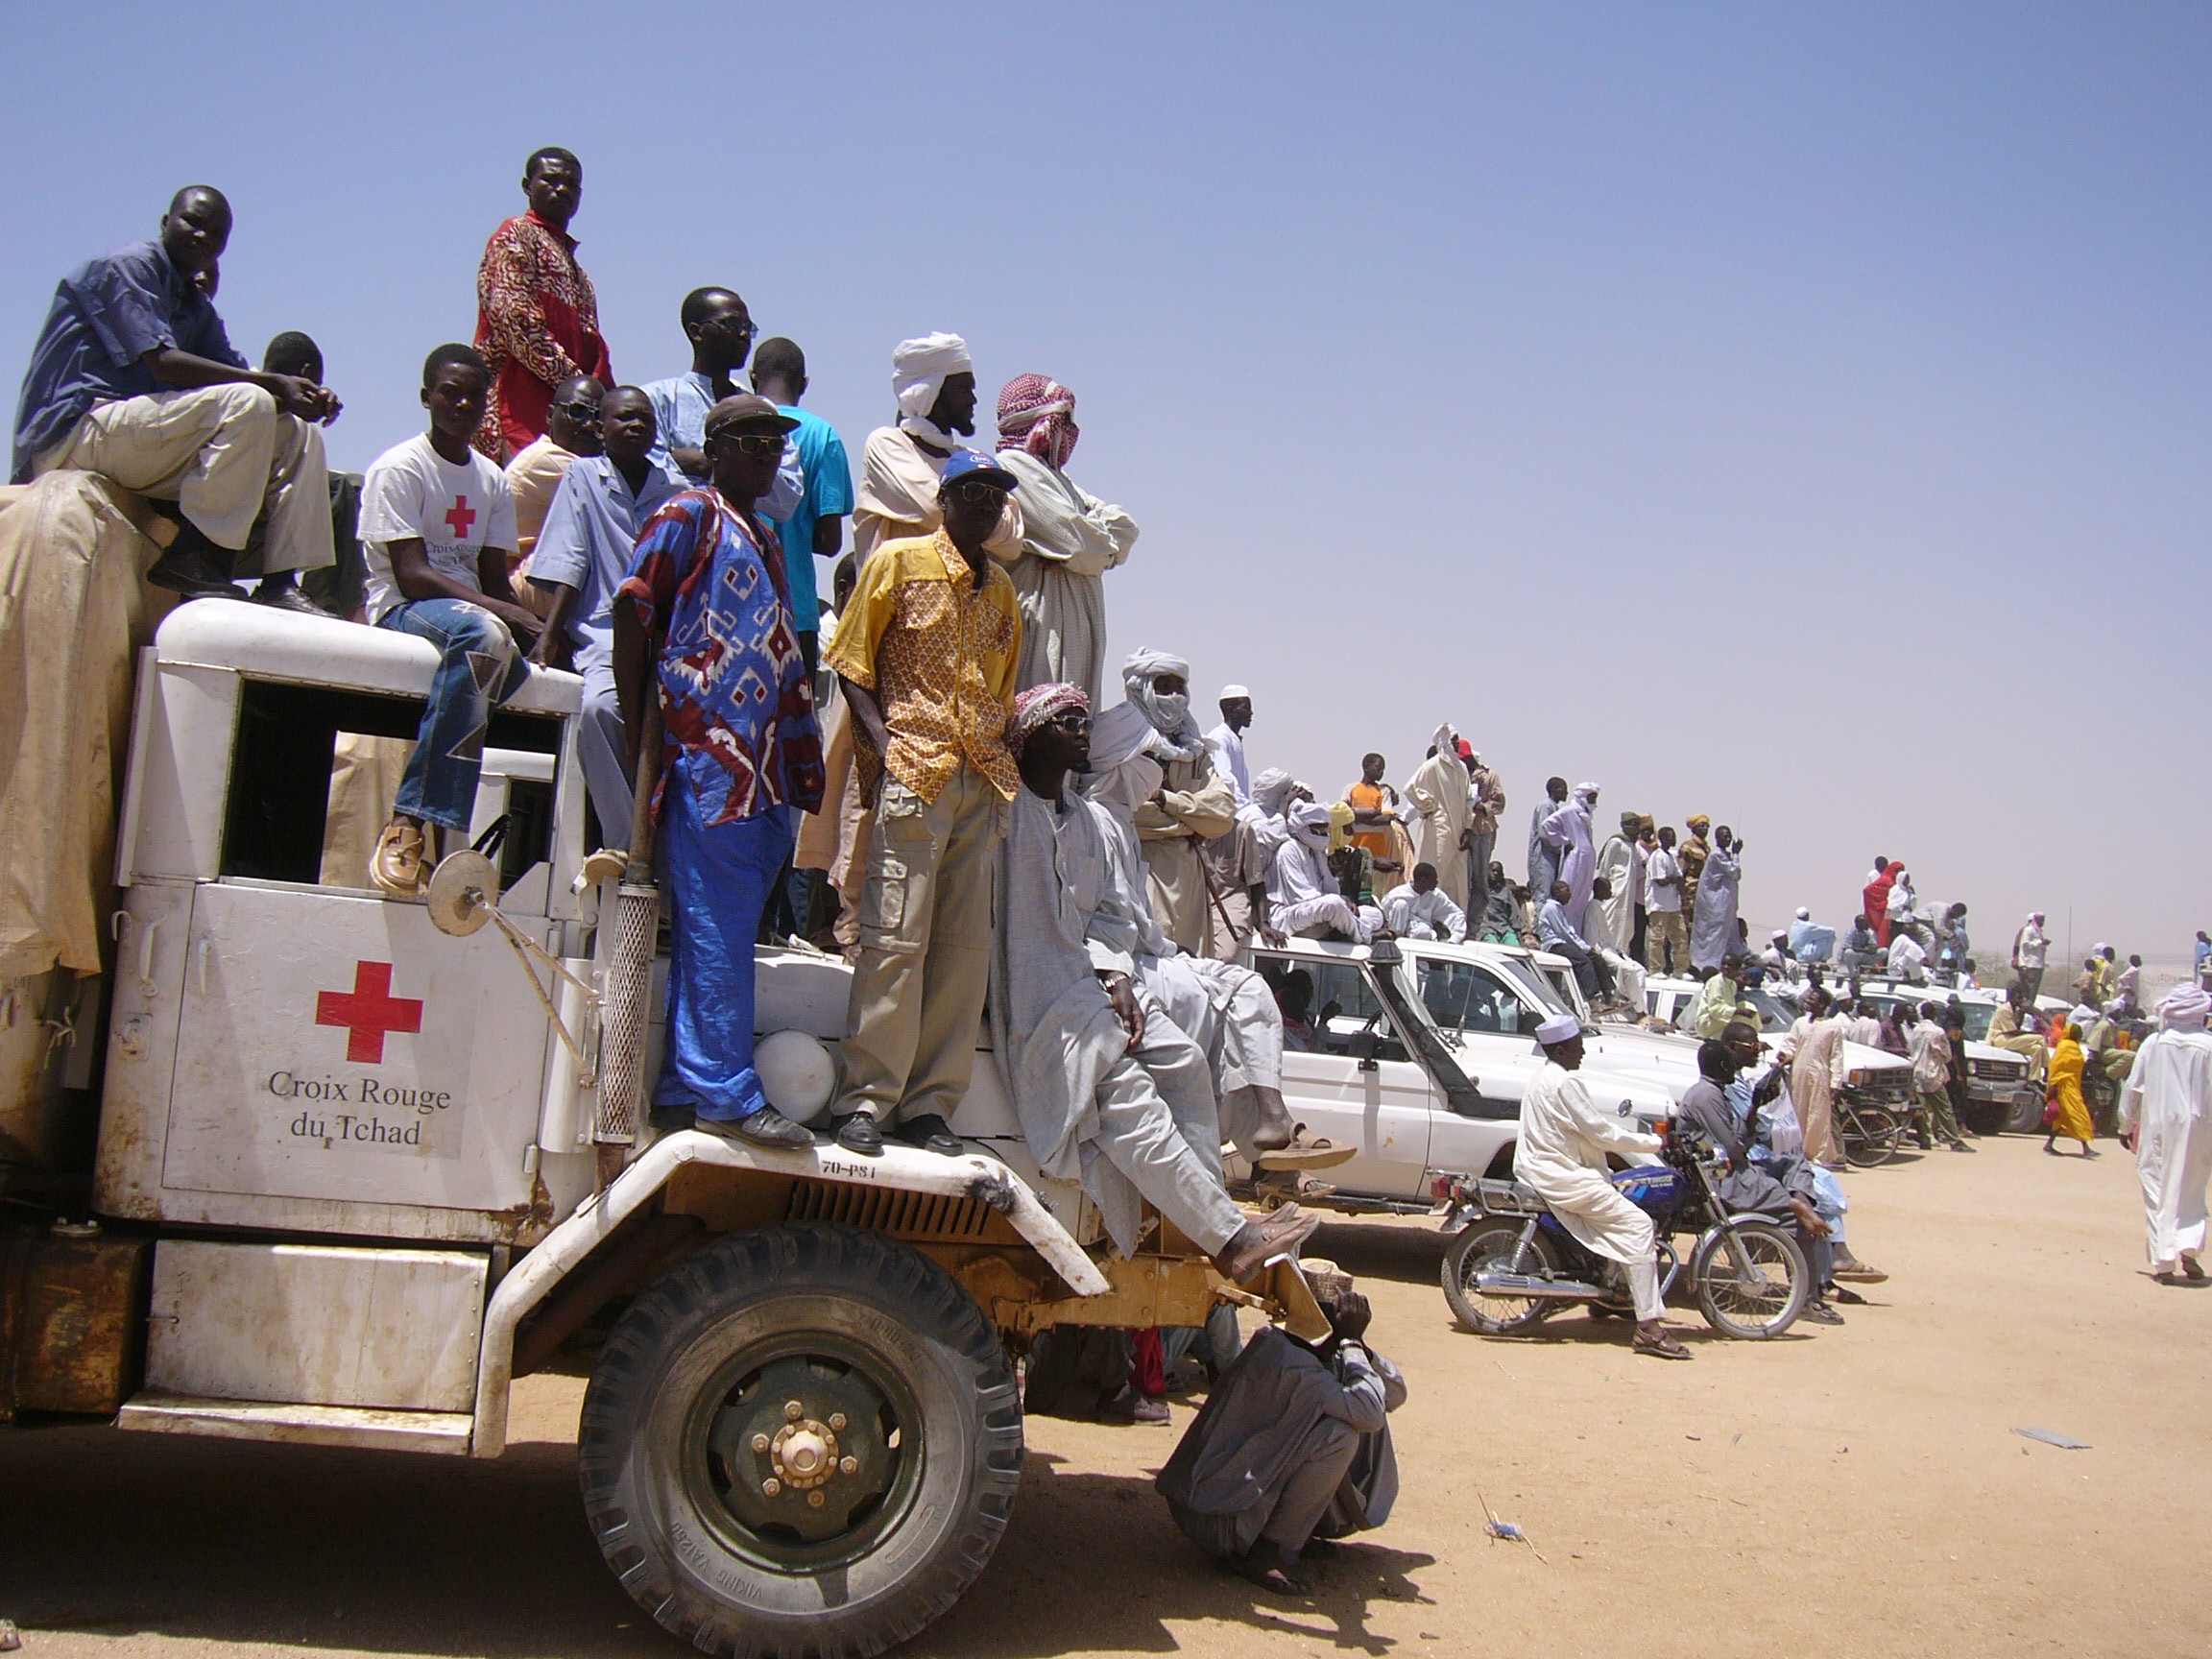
x,y
801,1440
1489,1247
2027,1115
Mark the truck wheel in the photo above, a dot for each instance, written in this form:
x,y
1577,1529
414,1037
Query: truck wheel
x,y
2027,1115
1488,1247
801,1440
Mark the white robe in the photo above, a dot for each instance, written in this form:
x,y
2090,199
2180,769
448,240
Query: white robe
x,y
1439,789
1561,1153
1567,831
2167,1098
1302,893
1071,538
1712,925
1611,923
1430,915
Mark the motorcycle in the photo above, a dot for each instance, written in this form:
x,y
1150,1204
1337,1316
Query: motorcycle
x,y
1513,1263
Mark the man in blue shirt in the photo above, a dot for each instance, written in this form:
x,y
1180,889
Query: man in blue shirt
x,y
134,378
816,526
721,333
583,555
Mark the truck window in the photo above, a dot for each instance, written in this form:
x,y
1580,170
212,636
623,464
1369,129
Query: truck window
x,y
284,758
1461,996
1347,985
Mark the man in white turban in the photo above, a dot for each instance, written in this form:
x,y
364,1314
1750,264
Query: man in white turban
x,y
1438,790
1303,895
1150,765
1071,538
934,380
2166,1117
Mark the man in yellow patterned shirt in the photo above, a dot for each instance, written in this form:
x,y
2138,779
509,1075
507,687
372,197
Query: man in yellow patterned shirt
x,y
926,653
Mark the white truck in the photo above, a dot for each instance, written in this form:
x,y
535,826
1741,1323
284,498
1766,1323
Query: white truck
x,y
335,1176
1420,1053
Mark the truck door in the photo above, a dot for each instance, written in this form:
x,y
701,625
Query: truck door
x,y
1380,1105
338,1046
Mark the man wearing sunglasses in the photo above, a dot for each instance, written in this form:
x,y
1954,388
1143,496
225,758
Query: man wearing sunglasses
x,y
721,333
704,623
571,430
927,652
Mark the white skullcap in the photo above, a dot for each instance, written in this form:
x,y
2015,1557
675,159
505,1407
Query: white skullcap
x,y
2184,1008
1231,692
1558,1029
1804,913
919,367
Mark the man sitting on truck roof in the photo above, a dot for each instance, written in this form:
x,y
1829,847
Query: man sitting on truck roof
x,y
134,378
1110,1092
438,526
1423,910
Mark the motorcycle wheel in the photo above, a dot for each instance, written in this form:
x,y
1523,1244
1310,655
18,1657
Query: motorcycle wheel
x,y
1488,1247
1756,1292
1870,1135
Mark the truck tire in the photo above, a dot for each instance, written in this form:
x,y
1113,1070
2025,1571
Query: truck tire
x,y
2027,1115
1489,1246
801,1440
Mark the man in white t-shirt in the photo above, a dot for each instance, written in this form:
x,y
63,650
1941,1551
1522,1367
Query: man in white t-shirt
x,y
438,527
1664,934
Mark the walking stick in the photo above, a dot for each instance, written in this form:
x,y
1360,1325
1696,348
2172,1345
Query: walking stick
x,y
630,964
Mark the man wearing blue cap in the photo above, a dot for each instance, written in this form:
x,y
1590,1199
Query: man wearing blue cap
x,y
926,654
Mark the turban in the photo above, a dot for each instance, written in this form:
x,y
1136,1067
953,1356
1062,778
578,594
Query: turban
x,y
1588,790
1309,822
1038,705
1339,826
919,368
1697,822
1169,713
1038,415
1271,789
2184,1008
1631,822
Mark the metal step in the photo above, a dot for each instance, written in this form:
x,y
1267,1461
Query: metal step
x,y
445,1432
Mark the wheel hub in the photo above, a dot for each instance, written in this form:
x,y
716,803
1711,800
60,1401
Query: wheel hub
x,y
802,1450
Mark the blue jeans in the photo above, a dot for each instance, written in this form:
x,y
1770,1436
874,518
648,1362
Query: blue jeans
x,y
478,664
714,880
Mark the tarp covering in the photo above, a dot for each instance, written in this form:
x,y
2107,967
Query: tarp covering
x,y
73,614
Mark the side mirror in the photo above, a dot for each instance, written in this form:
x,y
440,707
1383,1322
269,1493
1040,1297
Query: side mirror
x,y
1363,1046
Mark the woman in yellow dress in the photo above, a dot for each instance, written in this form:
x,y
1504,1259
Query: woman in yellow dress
x,y
2070,1113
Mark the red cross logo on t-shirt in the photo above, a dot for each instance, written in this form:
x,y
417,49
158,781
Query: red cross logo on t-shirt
x,y
461,518
369,1011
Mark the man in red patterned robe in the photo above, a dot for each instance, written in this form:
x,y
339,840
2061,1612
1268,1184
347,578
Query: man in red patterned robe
x,y
537,315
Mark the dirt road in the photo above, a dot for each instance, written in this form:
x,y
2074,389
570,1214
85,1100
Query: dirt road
x,y
1853,1492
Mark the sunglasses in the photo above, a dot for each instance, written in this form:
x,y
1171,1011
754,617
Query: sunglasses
x,y
979,493
752,443
578,411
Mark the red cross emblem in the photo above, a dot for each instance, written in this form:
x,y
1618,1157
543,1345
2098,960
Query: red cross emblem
x,y
461,518
369,1011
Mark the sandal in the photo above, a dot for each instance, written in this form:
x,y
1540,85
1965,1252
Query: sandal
x,y
1660,1347
1859,1273
1307,1151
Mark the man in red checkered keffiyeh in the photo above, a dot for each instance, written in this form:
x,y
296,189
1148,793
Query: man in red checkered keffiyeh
x,y
1038,415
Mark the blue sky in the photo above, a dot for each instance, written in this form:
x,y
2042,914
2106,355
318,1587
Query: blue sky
x,y
1792,413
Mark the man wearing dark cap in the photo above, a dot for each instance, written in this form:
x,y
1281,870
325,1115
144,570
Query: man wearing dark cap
x,y
704,623
926,653
135,378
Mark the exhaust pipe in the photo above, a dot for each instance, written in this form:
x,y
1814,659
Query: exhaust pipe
x,y
1532,1285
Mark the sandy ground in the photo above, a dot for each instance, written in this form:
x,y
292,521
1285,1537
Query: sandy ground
x,y
1853,1492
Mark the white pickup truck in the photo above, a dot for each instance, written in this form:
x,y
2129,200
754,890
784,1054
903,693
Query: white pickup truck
x,y
333,1177
1420,1053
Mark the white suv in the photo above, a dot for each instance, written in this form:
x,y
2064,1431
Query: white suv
x,y
1418,1057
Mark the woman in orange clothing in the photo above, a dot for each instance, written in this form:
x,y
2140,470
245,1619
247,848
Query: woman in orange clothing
x,y
2069,1113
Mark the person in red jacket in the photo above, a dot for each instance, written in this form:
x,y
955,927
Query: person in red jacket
x,y
537,315
1876,895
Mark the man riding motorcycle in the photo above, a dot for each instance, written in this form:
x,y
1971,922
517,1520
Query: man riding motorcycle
x,y
1561,1154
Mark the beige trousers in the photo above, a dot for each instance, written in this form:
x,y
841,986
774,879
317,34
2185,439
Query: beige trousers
x,y
924,961
1661,928
225,455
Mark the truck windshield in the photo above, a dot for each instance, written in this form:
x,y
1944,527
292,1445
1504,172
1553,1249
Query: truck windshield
x,y
1530,978
1773,1019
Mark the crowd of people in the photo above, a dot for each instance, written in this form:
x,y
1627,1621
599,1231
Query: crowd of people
x,y
921,772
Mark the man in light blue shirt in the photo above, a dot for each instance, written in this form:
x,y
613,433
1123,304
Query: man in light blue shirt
x,y
816,527
582,556
721,333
